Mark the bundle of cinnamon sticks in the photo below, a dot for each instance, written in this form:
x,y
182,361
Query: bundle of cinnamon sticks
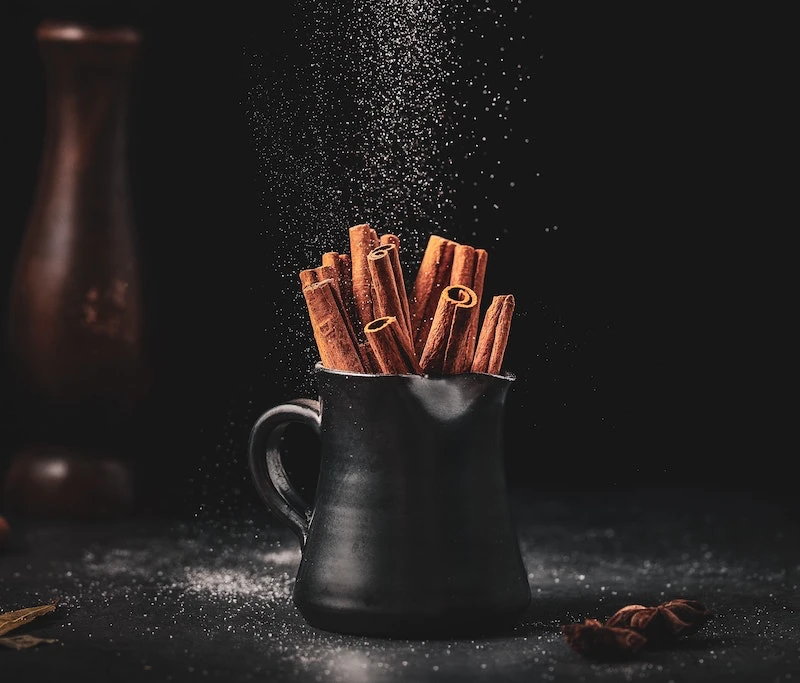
x,y
366,319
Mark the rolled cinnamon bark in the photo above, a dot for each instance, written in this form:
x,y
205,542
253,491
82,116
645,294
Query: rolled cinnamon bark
x,y
493,337
432,277
361,243
388,287
331,260
336,342
469,269
311,275
328,272
344,277
392,346
445,351
368,357
389,238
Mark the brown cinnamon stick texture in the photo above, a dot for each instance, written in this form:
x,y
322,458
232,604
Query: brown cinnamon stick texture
x,y
389,238
493,337
392,346
432,277
368,357
361,243
469,269
344,277
330,259
338,348
388,287
328,272
445,351
311,275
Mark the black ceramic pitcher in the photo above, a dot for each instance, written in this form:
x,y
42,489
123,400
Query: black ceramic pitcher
x,y
410,533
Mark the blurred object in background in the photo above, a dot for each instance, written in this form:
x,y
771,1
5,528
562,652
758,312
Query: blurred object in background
x,y
76,339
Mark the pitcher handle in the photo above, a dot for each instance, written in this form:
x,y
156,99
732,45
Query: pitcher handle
x,y
266,466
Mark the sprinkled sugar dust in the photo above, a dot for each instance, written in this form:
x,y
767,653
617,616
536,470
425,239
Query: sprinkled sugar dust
x,y
222,588
378,112
375,117
354,133
239,568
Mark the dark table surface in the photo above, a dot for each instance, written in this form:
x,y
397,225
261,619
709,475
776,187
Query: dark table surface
x,y
210,599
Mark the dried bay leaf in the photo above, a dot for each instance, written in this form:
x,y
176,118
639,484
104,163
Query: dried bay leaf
x,y
12,620
24,642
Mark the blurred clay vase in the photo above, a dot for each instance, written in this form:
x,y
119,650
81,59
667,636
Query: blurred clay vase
x,y
76,313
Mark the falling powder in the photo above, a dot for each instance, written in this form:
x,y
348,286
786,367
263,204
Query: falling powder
x,y
373,111
357,130
371,116
401,58
350,127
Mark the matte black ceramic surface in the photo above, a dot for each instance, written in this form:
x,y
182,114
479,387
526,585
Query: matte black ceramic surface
x,y
410,533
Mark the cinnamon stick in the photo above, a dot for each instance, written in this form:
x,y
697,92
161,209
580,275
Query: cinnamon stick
x,y
361,243
311,275
368,357
445,351
344,276
388,287
469,269
331,259
493,337
389,238
392,346
336,343
432,277
328,272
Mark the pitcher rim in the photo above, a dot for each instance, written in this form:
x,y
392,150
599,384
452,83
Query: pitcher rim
x,y
319,367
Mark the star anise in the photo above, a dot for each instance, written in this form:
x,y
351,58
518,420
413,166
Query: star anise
x,y
595,640
664,623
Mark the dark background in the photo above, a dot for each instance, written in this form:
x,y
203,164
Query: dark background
x,y
638,339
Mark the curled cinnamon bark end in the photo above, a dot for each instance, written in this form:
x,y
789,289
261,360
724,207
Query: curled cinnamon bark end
x,y
432,277
392,347
311,275
388,287
446,351
664,623
595,640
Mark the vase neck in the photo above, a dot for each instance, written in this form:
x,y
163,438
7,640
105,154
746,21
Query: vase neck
x,y
84,171
88,74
